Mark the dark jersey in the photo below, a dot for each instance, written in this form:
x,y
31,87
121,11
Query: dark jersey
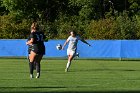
x,y
38,43
38,37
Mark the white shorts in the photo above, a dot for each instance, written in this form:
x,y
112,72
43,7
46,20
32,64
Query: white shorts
x,y
71,52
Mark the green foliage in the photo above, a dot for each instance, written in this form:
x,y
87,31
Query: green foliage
x,y
138,22
66,24
2,9
88,9
92,19
126,27
11,30
102,29
121,28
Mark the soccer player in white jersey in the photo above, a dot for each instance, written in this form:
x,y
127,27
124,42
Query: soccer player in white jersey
x,y
72,47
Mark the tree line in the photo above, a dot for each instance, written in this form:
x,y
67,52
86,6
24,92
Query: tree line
x,y
92,19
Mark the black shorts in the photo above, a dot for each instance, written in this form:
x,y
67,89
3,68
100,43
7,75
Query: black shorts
x,y
38,49
29,49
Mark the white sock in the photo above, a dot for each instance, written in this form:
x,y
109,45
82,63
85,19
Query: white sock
x,y
68,64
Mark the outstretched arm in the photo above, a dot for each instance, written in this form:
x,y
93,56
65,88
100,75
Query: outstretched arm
x,y
85,42
65,44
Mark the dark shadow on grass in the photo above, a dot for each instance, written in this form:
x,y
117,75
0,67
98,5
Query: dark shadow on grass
x,y
62,91
29,87
92,70
79,92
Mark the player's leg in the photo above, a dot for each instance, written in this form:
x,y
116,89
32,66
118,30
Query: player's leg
x,y
29,51
70,57
35,60
38,66
31,63
40,52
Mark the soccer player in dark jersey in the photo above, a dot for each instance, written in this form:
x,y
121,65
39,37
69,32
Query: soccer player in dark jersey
x,y
36,48
29,50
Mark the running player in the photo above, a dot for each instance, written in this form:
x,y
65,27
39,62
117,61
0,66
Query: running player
x,y
36,48
72,47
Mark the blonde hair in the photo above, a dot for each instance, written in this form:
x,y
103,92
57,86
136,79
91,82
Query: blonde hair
x,y
34,26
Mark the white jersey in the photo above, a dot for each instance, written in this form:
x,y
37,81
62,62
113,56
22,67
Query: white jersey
x,y
73,42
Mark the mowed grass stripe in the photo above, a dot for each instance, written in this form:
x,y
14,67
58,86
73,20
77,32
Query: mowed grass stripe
x,y
84,76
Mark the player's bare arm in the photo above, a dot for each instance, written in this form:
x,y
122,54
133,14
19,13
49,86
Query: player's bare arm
x,y
30,42
85,42
65,44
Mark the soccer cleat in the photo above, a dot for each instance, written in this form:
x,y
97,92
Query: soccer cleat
x,y
38,75
77,55
31,76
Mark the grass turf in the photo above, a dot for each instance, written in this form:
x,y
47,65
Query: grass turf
x,y
93,76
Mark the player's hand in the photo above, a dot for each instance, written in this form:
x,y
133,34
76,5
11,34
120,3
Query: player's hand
x,y
62,48
26,43
89,45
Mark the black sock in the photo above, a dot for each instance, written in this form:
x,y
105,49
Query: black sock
x,y
38,67
31,65
34,65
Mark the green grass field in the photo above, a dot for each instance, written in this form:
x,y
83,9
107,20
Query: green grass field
x,y
93,76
